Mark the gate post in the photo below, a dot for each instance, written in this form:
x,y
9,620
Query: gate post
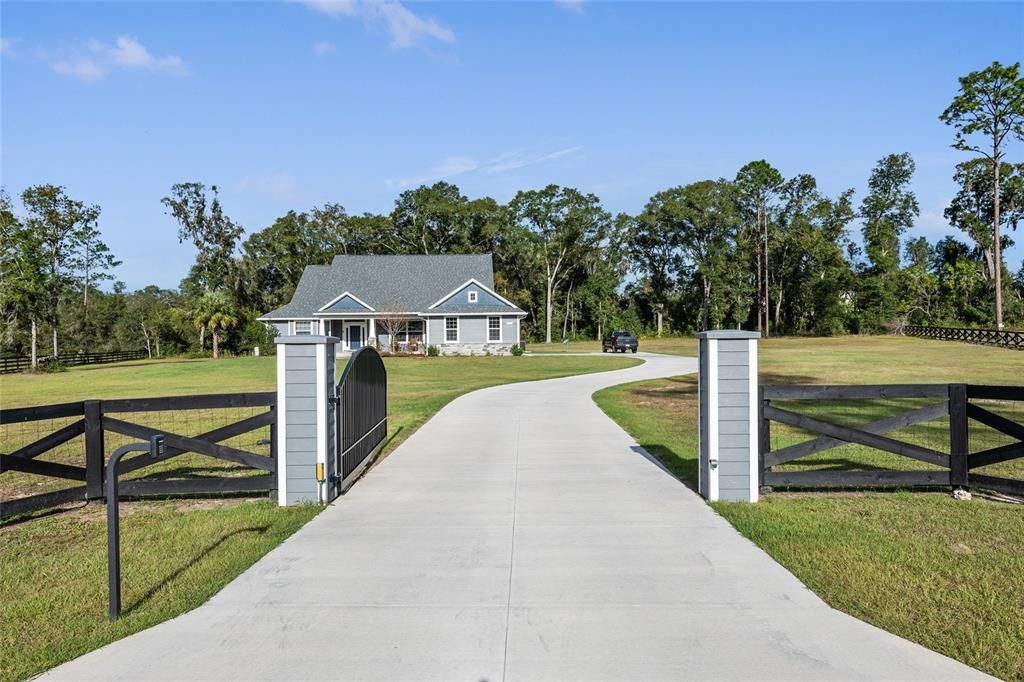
x,y
959,446
306,438
728,415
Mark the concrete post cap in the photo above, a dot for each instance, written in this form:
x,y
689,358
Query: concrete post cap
x,y
306,339
728,334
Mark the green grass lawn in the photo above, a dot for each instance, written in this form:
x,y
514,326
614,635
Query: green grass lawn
x,y
417,388
176,553
944,573
175,556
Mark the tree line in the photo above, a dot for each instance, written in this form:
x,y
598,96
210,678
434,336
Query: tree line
x,y
757,250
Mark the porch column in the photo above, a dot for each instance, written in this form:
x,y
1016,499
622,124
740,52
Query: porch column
x,y
306,441
728,425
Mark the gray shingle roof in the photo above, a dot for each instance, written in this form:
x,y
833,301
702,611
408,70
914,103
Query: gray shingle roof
x,y
395,283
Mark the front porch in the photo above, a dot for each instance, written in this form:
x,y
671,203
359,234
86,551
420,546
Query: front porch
x,y
409,333
354,333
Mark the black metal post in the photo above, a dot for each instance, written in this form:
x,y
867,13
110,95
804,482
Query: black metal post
x,y
155,447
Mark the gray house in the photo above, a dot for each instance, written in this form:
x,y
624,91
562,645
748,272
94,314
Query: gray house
x,y
403,302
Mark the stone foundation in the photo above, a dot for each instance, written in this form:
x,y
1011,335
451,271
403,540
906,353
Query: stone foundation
x,y
478,349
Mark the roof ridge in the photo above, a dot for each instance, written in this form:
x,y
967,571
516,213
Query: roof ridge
x,y
414,255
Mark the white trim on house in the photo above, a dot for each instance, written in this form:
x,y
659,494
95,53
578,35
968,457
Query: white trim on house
x,y
458,331
481,314
462,286
350,295
346,334
500,325
371,315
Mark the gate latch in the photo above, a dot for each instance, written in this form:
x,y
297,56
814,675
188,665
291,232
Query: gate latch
x,y
333,400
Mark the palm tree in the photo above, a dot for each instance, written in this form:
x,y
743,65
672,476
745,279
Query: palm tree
x,y
199,319
216,313
221,321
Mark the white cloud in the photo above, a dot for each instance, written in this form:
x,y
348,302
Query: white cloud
x,y
98,59
571,5
82,68
456,165
324,48
7,45
345,8
405,27
279,185
449,167
459,165
933,222
512,160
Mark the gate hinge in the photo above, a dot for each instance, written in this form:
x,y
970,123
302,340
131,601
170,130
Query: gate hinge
x,y
333,400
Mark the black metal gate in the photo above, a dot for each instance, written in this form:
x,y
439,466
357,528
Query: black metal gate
x,y
362,412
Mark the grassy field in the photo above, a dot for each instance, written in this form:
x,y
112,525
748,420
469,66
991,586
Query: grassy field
x,y
679,345
944,573
176,553
418,387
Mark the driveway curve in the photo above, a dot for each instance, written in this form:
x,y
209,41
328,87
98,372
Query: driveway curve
x,y
519,535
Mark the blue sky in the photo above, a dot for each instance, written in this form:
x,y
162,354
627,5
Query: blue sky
x,y
289,105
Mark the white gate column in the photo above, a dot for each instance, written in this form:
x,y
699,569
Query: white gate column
x,y
728,423
306,441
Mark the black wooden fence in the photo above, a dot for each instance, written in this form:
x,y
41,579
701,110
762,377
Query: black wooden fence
x,y
972,417
988,337
362,414
17,363
98,421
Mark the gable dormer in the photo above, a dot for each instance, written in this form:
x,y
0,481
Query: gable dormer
x,y
470,295
344,304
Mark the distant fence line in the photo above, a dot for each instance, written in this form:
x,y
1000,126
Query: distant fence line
x,y
17,363
988,337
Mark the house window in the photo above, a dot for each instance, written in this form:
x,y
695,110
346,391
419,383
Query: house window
x,y
494,329
451,329
413,330
303,327
473,296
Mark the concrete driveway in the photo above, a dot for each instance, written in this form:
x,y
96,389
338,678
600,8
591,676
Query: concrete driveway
x,y
519,535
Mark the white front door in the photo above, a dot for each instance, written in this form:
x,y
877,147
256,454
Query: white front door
x,y
353,336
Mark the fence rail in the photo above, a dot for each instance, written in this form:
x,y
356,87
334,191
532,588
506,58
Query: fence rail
x,y
988,337
98,420
991,415
17,363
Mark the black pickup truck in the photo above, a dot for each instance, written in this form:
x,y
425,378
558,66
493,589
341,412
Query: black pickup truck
x,y
619,341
